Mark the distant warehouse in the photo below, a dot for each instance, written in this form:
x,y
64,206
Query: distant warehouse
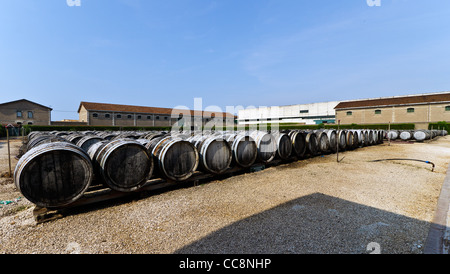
x,y
308,114
420,109
101,114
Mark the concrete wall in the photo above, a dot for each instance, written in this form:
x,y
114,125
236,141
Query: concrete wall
x,y
38,115
100,118
304,114
422,115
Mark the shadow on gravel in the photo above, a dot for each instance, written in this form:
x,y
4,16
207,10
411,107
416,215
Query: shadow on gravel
x,y
319,224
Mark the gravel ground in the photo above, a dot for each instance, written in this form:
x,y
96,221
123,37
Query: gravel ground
x,y
310,206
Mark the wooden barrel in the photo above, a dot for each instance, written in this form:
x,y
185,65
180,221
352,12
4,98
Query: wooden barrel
x,y
371,140
356,142
125,136
88,141
74,137
349,140
42,139
380,136
406,135
265,144
298,143
332,141
323,141
53,174
152,135
243,148
176,159
124,164
342,139
107,135
214,152
361,137
312,143
421,135
284,145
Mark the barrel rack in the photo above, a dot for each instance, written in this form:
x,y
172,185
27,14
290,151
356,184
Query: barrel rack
x,y
96,194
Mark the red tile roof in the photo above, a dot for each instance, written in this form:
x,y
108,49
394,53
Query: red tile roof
x,y
140,109
401,100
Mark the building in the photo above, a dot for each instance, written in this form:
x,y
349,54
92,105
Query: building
x,y
308,114
100,114
24,112
420,109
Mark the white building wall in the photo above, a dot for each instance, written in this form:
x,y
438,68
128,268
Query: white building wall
x,y
289,114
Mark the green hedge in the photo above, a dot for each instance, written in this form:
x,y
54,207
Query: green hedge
x,y
404,126
440,125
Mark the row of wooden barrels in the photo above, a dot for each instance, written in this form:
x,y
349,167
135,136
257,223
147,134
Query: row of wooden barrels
x,y
417,135
58,167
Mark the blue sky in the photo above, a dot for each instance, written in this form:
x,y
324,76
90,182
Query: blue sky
x,y
244,53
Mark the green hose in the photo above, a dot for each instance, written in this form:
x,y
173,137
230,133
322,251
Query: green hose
x,y
395,159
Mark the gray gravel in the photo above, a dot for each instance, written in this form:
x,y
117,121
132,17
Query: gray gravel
x,y
310,206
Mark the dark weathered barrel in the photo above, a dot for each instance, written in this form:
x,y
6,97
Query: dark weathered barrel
x,y
284,145
107,135
356,142
42,139
266,145
125,165
125,136
298,143
176,159
53,174
74,137
243,148
331,134
152,135
342,139
371,140
214,152
312,143
361,137
88,141
323,142
349,141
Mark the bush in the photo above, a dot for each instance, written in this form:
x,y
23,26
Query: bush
x,y
439,125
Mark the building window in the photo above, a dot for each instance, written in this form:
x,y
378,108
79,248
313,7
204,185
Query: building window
x,y
165,118
304,111
157,117
95,115
19,114
149,117
349,113
118,116
139,117
378,111
410,110
107,115
129,116
30,114
30,123
447,108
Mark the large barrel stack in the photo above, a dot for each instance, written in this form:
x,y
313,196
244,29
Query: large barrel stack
x,y
58,167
